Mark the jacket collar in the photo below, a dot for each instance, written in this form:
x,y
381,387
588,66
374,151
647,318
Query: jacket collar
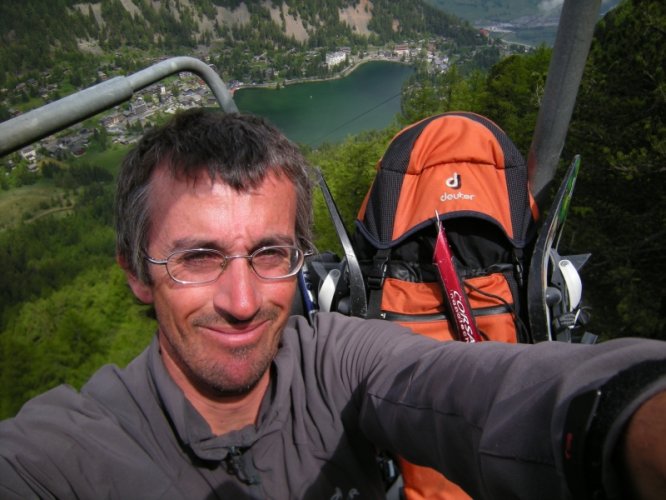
x,y
195,433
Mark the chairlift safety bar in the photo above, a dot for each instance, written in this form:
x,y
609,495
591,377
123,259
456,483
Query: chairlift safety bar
x,y
58,115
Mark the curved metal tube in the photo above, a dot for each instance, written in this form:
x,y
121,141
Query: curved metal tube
x,y
572,44
53,117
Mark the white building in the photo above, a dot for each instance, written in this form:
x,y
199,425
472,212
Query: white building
x,y
29,153
335,58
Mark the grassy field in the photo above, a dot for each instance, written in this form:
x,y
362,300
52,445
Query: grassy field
x,y
26,202
109,159
31,202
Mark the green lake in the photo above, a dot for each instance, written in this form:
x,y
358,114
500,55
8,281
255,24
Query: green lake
x,y
328,111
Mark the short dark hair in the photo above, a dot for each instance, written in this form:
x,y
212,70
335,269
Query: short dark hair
x,y
238,149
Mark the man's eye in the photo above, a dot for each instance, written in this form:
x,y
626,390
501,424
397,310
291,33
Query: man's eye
x,y
272,254
199,258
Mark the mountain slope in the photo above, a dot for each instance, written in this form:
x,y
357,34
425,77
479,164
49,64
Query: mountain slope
x,y
39,33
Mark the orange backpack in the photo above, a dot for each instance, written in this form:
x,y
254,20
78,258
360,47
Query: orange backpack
x,y
464,170
461,171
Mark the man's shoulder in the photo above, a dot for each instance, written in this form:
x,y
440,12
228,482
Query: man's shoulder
x,y
54,422
65,440
333,323
333,335
110,379
327,327
63,405
63,432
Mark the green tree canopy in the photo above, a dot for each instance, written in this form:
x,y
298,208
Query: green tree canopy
x,y
619,128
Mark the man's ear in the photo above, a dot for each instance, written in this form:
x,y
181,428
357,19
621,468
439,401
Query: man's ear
x,y
141,290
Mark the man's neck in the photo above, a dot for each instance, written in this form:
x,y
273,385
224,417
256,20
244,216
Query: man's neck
x,y
222,413
229,413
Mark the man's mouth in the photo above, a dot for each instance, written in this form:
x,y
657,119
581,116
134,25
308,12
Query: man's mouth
x,y
234,336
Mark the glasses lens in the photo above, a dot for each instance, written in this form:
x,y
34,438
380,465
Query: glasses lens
x,y
276,262
195,266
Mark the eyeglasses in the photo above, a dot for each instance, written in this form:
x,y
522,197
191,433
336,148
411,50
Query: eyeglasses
x,y
199,266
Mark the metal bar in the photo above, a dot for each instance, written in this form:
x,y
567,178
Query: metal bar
x,y
572,44
53,117
154,73
358,297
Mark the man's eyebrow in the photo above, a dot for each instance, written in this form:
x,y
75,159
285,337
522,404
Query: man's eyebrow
x,y
275,239
187,243
270,240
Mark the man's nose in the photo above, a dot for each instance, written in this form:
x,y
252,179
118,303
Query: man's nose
x,y
237,292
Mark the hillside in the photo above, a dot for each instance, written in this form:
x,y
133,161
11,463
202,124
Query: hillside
x,y
43,35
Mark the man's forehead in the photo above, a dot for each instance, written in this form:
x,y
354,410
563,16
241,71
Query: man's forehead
x,y
273,200
165,172
203,176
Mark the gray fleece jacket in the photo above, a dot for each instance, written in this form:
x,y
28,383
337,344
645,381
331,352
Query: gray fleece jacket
x,y
491,416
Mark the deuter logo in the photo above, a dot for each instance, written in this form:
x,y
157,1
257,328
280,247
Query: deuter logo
x,y
454,181
457,196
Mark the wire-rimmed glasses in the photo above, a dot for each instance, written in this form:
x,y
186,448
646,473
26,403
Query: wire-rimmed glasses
x,y
198,266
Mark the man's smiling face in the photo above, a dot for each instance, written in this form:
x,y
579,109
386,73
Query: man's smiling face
x,y
220,336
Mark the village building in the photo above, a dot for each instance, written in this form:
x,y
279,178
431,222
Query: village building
x,y
401,50
29,154
335,58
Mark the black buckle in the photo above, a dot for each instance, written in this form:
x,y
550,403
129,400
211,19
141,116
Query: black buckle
x,y
377,273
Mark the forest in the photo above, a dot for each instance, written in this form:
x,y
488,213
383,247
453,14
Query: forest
x,y
65,308
46,36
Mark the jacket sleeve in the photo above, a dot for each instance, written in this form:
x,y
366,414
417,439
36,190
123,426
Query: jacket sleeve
x,y
496,418
62,445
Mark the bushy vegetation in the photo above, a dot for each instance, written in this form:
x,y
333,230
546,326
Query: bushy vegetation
x,y
619,127
64,306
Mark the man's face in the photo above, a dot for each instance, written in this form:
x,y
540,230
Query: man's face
x,y
221,336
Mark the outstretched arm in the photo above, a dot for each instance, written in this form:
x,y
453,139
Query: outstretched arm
x,y
517,421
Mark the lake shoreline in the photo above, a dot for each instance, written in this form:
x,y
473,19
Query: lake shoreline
x,y
342,74
312,112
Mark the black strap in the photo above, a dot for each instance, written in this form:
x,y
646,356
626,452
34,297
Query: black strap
x,y
358,305
376,277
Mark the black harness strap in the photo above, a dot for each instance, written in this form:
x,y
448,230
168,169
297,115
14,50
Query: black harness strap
x,y
376,276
